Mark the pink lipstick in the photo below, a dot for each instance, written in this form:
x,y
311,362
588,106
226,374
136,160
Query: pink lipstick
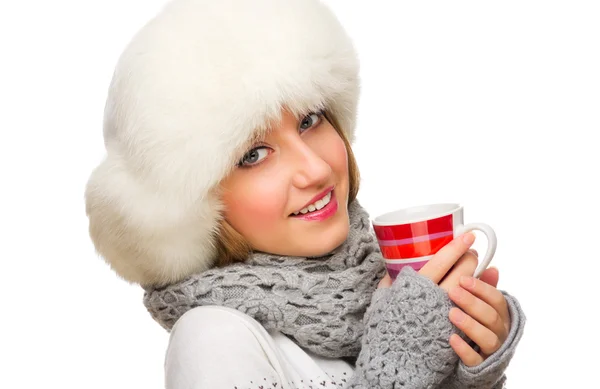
x,y
322,214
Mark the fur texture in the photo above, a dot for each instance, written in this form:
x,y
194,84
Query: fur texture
x,y
189,95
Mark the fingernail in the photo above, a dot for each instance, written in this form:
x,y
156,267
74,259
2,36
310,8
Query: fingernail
x,y
467,282
458,316
469,238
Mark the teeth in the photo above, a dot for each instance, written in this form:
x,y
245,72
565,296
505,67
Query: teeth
x,y
317,205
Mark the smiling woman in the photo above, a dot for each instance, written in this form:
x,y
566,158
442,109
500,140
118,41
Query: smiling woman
x,y
300,162
229,194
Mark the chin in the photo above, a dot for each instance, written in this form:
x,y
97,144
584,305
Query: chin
x,y
330,240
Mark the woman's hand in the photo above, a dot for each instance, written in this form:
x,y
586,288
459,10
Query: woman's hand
x,y
447,266
385,282
483,314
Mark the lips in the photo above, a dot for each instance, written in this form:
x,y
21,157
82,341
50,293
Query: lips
x,y
322,214
316,198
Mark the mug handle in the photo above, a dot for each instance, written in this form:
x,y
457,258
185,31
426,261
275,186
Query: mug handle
x,y
492,243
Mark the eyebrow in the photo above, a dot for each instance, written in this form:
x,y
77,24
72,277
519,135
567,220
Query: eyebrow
x,y
261,134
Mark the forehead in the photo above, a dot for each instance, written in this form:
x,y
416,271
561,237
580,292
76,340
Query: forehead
x,y
287,119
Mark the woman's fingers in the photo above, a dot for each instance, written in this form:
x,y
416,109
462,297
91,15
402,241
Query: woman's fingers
x,y
479,310
385,282
490,276
465,352
489,294
437,267
487,340
465,266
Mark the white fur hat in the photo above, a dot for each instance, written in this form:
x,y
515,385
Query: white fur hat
x,y
189,93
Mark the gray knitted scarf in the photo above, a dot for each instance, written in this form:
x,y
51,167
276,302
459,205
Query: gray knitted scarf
x,y
319,302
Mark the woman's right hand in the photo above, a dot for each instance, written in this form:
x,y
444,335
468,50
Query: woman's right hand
x,y
447,266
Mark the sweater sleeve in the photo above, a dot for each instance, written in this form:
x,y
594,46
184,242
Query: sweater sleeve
x,y
405,341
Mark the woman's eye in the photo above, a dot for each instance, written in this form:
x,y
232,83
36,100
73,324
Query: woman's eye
x,y
253,156
310,120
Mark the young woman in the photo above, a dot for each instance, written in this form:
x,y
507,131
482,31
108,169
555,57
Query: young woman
x,y
229,194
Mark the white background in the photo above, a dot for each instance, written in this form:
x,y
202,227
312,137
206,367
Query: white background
x,y
491,104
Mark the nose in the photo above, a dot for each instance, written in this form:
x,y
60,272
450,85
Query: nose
x,y
309,168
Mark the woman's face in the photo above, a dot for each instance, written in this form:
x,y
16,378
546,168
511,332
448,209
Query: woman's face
x,y
297,161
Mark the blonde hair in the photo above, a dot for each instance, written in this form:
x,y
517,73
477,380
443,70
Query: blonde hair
x,y
233,247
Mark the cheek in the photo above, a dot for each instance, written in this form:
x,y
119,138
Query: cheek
x,y
337,156
252,206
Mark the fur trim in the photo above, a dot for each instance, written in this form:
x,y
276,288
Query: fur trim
x,y
188,94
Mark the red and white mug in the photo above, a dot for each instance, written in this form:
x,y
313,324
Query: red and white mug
x,y
411,236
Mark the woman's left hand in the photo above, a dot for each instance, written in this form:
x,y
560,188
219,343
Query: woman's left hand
x,y
483,316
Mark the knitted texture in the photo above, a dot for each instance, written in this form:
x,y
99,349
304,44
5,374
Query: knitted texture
x,y
318,302
405,344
